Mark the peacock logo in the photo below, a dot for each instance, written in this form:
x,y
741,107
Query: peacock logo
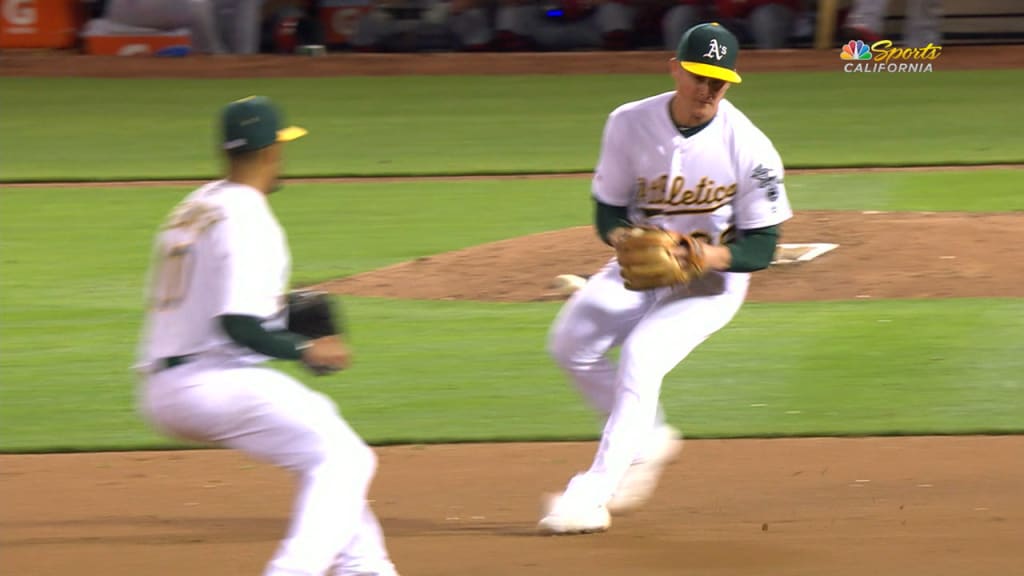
x,y
855,50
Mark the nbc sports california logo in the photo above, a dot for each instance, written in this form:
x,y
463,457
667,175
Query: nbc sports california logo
x,y
883,57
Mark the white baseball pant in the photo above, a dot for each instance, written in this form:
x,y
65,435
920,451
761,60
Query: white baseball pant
x,y
656,330
272,417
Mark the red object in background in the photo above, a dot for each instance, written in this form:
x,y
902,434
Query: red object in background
x,y
40,23
285,39
740,8
573,9
339,18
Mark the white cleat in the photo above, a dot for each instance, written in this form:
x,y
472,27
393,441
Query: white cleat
x,y
642,477
562,516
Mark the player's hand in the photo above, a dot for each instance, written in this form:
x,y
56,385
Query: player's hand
x,y
617,235
715,257
328,352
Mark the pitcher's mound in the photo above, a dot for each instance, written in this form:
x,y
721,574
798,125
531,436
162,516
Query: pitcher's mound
x,y
879,255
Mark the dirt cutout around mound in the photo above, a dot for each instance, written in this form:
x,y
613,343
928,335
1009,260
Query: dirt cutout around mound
x,y
880,255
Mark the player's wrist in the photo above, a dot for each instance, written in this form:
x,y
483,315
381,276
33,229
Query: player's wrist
x,y
615,235
717,257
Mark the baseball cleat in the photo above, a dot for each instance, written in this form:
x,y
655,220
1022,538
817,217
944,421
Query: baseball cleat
x,y
641,478
564,516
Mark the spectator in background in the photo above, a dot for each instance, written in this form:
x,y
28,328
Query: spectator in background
x,y
411,25
216,26
240,23
288,24
198,16
564,24
921,26
768,22
471,23
680,17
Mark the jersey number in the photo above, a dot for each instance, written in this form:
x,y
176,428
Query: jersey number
x,y
174,274
173,277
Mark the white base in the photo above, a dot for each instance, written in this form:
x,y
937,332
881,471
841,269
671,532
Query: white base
x,y
793,253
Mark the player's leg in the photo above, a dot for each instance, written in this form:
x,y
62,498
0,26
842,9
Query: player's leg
x,y
659,342
676,21
374,30
156,14
204,27
472,28
615,21
867,19
272,417
514,25
923,24
244,26
771,25
594,320
598,317
366,554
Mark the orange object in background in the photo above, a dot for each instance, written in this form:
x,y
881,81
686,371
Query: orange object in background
x,y
137,45
40,23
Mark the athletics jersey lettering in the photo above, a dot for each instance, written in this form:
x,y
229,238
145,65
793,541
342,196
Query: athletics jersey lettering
x,y
706,196
725,177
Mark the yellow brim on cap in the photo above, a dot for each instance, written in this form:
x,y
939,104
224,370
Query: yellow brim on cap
x,y
291,133
717,72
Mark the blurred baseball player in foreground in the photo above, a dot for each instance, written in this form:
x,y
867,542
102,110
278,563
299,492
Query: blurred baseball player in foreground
x,y
690,194
219,307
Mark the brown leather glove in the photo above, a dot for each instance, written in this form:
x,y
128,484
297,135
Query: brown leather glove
x,y
652,258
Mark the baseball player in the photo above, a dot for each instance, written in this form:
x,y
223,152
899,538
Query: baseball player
x,y
922,24
217,311
216,26
690,194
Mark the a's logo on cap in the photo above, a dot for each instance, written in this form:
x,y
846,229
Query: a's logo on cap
x,y
715,50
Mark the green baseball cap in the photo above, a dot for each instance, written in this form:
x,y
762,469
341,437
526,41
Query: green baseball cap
x,y
709,50
253,123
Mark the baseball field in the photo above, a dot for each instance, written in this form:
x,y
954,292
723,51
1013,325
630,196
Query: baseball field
x,y
862,413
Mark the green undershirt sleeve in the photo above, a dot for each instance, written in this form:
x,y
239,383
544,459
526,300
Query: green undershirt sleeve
x,y
608,218
248,331
754,249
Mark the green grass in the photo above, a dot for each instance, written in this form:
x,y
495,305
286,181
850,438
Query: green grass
x,y
72,129
72,261
975,191
445,371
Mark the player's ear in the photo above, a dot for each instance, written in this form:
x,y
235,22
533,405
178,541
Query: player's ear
x,y
675,69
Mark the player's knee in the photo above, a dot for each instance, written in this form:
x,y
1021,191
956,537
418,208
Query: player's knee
x,y
560,348
364,462
351,453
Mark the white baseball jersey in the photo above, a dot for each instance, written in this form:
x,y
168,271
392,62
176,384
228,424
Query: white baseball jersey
x,y
221,251
726,176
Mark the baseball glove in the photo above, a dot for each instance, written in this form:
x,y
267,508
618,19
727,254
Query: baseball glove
x,y
310,314
652,258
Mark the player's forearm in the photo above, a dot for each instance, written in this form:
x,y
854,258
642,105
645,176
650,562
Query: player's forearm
x,y
752,251
248,331
610,221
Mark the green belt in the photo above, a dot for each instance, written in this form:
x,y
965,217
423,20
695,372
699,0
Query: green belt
x,y
173,361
